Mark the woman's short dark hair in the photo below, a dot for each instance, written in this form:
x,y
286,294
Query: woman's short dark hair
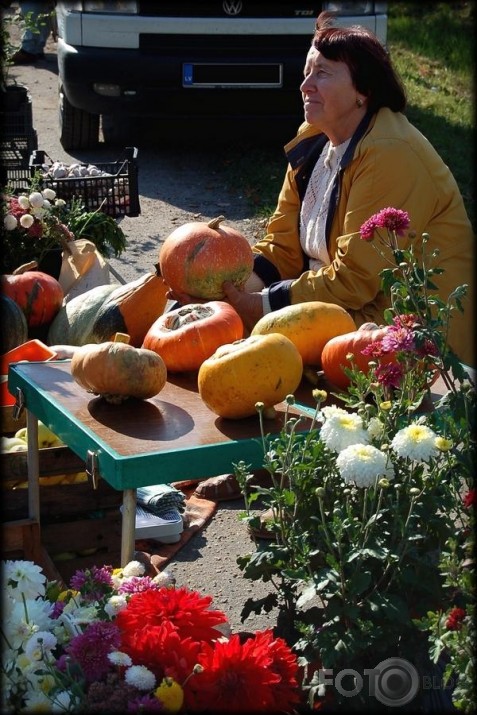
x,y
368,61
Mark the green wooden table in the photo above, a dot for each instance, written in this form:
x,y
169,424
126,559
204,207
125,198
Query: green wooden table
x,y
170,437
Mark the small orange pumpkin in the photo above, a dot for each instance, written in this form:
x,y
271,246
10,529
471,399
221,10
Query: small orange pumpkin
x,y
198,257
116,370
38,294
187,336
334,355
308,325
260,368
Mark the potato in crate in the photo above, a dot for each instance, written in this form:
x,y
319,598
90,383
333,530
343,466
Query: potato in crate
x,y
111,186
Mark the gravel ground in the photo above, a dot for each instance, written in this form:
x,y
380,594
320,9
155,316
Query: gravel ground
x,y
178,182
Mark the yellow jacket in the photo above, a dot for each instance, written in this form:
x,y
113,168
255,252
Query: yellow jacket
x,y
388,163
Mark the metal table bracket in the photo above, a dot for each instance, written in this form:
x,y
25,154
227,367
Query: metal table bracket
x,y
92,467
19,405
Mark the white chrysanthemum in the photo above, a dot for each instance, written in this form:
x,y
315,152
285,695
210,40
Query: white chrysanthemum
x,y
362,464
38,212
140,677
18,629
39,611
49,194
23,579
44,681
37,702
23,202
61,203
134,568
26,220
119,658
39,644
78,615
416,441
10,222
375,428
164,578
443,444
330,411
36,199
116,604
64,702
341,429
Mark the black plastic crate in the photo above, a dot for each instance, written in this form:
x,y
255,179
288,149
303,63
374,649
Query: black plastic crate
x,y
17,123
114,192
15,155
17,113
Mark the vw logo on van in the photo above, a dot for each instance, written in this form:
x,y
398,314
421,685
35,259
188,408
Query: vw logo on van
x,y
232,8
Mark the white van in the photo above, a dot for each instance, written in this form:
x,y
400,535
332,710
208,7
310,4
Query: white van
x,y
204,61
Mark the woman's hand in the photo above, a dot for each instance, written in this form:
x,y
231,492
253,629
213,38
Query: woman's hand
x,y
248,305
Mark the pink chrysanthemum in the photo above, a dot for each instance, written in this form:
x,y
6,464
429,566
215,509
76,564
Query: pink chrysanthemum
x,y
398,339
367,229
392,219
136,584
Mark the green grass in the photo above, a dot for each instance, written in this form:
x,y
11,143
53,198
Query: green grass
x,y
432,48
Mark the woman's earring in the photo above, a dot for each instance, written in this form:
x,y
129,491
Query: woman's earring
x,y
359,102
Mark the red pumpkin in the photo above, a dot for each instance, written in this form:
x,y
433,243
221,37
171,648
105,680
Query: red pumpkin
x,y
333,357
198,257
187,336
38,294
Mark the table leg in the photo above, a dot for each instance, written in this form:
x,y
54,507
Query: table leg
x,y
128,540
33,463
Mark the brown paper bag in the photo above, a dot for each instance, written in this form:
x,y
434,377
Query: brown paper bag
x,y
83,268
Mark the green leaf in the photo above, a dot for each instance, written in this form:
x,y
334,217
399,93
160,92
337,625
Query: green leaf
x,y
392,606
359,582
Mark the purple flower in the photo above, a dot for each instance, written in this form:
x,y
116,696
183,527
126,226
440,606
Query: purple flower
x,y
57,609
90,649
93,583
389,375
398,339
136,584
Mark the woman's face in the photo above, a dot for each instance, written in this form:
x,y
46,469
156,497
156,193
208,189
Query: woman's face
x,y
330,98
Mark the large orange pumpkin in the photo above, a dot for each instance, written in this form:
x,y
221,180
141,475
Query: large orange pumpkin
x,y
335,352
308,325
38,294
185,337
198,257
260,368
